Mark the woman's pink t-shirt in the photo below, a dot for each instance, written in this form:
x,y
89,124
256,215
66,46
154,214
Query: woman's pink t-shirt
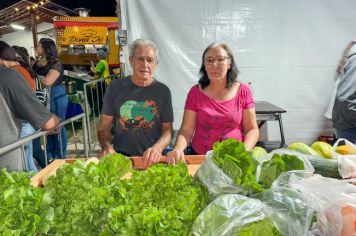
x,y
215,120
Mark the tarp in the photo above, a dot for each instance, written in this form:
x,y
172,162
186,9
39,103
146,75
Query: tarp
x,y
287,49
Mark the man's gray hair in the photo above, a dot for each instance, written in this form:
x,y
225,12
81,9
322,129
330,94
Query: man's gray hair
x,y
143,43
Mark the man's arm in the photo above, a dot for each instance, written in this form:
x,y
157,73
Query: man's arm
x,y
104,135
51,123
154,153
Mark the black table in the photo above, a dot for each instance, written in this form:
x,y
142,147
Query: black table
x,y
266,111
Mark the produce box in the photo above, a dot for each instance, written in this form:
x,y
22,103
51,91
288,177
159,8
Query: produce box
x,y
193,162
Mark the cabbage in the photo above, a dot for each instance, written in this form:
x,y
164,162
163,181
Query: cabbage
x,y
324,149
258,152
303,148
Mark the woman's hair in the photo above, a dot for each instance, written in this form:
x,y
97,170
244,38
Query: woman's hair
x,y
231,73
23,59
344,57
49,48
7,53
142,43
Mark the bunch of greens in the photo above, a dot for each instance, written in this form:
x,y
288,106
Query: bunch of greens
x,y
22,205
164,200
271,169
262,227
231,156
93,199
81,195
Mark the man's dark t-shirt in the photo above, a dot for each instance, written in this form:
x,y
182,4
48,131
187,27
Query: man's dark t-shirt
x,y
138,114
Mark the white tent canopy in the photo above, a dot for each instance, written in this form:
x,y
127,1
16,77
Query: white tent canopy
x,y
287,49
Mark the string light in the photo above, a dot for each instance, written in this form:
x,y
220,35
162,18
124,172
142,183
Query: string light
x,y
34,6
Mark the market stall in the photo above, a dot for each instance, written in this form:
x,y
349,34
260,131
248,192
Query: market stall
x,y
233,192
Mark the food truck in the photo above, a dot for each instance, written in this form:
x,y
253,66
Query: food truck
x,y
79,38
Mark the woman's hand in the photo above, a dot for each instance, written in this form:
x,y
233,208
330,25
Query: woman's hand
x,y
174,156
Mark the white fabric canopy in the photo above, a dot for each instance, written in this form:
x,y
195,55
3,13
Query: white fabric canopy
x,y
287,49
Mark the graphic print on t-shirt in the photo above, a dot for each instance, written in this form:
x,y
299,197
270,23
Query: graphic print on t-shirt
x,y
135,114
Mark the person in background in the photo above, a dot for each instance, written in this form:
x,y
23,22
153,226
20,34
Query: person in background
x,y
32,61
217,108
140,108
12,59
100,71
344,109
18,103
50,68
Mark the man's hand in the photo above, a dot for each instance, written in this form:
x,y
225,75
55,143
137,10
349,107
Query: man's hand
x,y
151,156
174,156
55,131
109,150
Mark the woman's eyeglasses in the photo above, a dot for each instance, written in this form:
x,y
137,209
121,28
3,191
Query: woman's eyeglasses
x,y
219,60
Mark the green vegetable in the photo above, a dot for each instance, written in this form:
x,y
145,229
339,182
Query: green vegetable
x,y
231,156
163,200
258,152
21,205
303,148
322,148
279,163
259,228
92,200
82,195
325,167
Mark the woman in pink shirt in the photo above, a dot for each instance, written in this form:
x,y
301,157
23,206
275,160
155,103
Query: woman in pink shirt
x,y
217,108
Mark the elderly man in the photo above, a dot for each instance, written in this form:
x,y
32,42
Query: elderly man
x,y
139,107
17,103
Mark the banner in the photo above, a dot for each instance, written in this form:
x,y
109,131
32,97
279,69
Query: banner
x,y
83,35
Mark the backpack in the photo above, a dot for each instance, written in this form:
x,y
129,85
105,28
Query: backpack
x,y
41,93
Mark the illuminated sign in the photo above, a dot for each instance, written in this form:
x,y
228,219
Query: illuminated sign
x,y
83,35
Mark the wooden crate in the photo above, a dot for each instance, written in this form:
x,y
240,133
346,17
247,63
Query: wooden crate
x,y
193,162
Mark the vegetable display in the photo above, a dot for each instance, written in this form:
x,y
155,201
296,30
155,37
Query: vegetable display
x,y
93,199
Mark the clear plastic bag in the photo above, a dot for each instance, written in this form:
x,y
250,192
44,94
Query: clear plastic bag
x,y
346,163
333,201
291,212
228,214
308,167
214,179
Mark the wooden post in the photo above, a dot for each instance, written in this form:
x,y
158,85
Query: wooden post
x,y
33,27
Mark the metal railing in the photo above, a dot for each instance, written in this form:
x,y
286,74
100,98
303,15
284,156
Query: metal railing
x,y
93,97
43,133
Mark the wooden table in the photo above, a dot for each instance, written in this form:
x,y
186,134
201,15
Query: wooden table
x,y
266,111
193,162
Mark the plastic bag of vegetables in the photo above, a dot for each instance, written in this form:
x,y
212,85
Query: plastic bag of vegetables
x,y
279,161
238,215
346,157
234,214
333,201
229,168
